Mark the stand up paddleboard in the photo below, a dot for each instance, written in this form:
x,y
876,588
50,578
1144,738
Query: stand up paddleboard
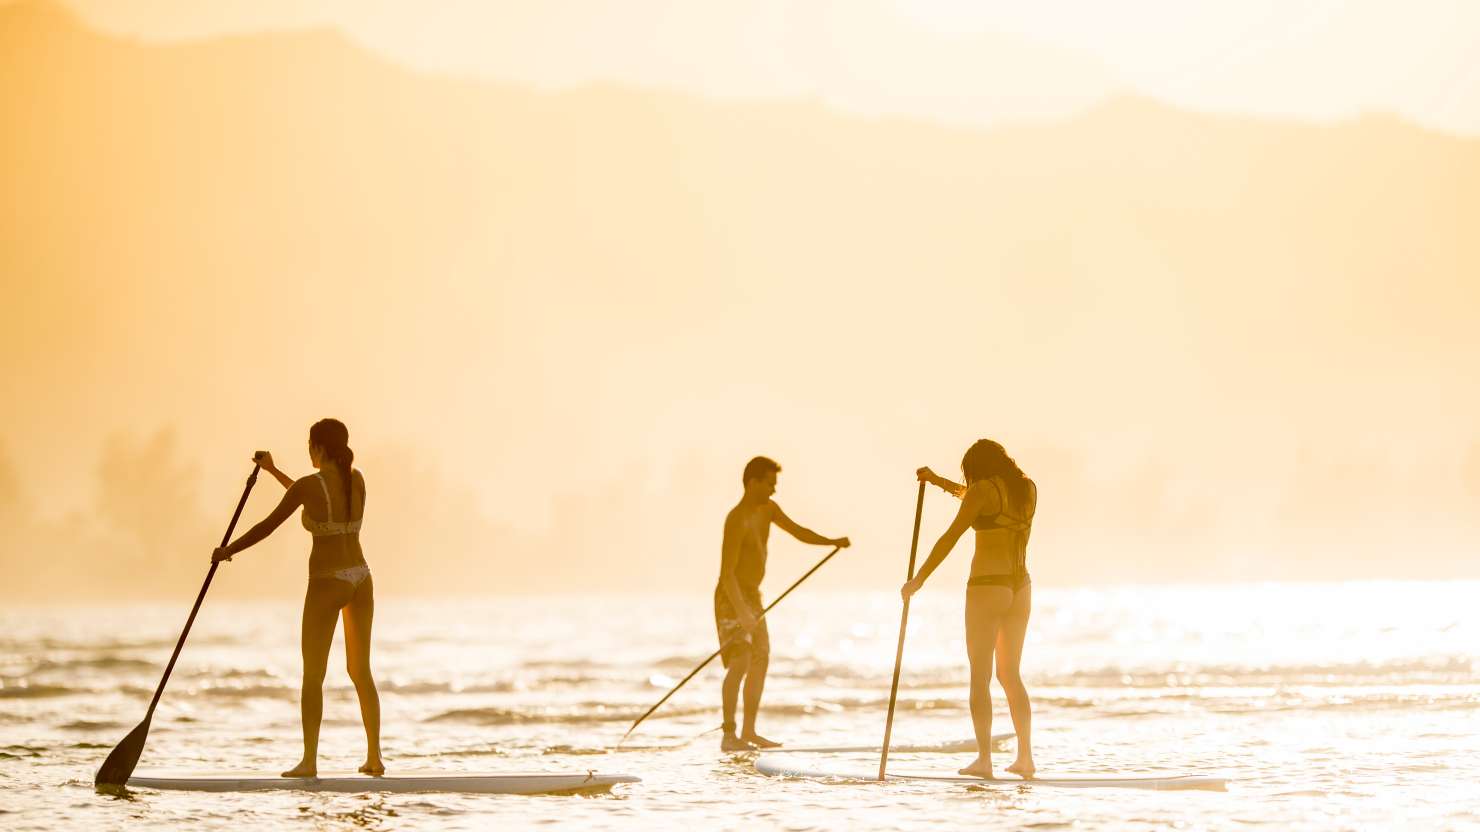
x,y
948,747
773,767
535,783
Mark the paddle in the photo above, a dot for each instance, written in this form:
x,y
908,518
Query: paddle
x,y
904,620
120,764
715,654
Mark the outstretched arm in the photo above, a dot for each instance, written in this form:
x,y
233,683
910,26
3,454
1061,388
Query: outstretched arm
x,y
972,504
264,461
803,534
955,489
291,500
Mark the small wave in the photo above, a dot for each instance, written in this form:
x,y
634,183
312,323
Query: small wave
x,y
1433,669
1181,675
566,664
573,750
481,751
90,725
487,716
509,716
576,714
231,673
477,752
248,692
433,688
1383,701
25,691
93,644
575,680
19,751
95,663
684,662
600,712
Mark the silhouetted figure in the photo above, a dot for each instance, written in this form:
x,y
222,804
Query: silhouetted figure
x,y
737,598
998,501
339,582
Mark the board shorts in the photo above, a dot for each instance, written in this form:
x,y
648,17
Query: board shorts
x,y
733,639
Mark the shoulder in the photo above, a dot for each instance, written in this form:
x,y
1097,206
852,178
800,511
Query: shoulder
x,y
303,486
980,494
981,490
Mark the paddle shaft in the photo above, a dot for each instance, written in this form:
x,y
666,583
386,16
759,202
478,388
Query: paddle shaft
x,y
904,620
225,539
731,640
115,770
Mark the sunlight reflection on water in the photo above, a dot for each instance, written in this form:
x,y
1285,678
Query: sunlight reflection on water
x,y
1332,705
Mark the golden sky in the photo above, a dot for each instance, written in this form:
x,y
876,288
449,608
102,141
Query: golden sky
x,y
972,61
558,320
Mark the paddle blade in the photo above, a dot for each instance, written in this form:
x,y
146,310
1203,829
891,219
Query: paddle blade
x,y
120,764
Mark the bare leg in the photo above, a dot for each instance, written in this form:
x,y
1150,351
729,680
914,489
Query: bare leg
x,y
320,615
358,617
984,608
730,696
755,685
1009,658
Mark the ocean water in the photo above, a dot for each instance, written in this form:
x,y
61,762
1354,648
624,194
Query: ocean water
x,y
1331,706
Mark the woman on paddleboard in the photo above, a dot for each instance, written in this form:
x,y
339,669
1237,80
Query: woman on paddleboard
x,y
339,582
998,501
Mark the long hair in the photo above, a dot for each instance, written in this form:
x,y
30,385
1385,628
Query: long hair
x,y
333,437
987,459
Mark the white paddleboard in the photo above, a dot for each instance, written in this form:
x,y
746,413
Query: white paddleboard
x,y
773,767
532,783
948,747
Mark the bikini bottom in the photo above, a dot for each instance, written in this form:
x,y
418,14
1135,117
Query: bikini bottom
x,y
352,575
1012,582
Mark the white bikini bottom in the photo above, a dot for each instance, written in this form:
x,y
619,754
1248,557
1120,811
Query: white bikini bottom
x,y
352,575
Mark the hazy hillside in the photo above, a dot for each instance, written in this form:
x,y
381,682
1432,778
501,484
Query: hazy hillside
x,y
1226,348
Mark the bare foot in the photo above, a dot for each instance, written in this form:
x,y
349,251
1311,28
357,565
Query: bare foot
x,y
374,767
980,767
734,743
1023,768
759,741
303,769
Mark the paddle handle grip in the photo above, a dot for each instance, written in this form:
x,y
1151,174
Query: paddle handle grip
x,y
904,620
225,539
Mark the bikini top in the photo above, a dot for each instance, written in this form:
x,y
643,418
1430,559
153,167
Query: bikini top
x,y
1003,519
330,527
1019,523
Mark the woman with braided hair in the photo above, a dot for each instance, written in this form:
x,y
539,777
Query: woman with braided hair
x,y
998,501
339,582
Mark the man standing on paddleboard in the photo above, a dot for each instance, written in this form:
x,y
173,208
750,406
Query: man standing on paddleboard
x,y
745,643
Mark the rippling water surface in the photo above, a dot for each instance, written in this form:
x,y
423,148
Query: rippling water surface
x,y
1331,706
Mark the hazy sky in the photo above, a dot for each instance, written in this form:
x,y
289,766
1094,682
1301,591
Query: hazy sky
x,y
979,61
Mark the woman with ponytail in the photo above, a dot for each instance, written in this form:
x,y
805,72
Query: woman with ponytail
x,y
339,582
998,501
